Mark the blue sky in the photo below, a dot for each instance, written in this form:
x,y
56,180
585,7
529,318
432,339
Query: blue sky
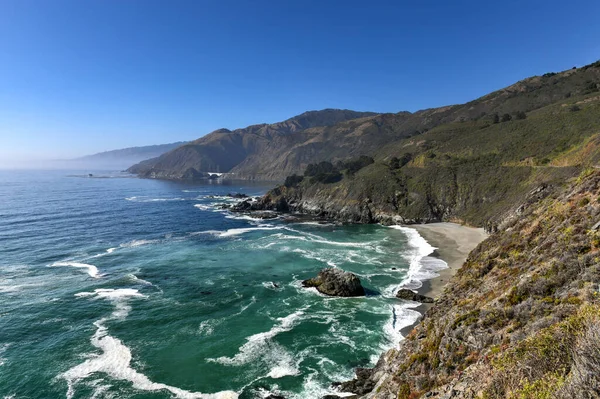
x,y
79,77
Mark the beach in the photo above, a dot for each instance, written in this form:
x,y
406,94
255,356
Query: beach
x,y
453,243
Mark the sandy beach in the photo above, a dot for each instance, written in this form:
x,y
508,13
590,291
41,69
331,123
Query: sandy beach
x,y
453,243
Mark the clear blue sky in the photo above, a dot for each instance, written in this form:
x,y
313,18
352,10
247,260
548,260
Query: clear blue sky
x,y
79,77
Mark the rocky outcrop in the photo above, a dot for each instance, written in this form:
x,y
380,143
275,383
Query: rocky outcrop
x,y
410,295
336,282
518,318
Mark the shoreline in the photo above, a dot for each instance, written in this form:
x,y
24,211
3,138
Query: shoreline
x,y
453,243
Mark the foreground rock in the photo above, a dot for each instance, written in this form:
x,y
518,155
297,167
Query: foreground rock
x,y
410,295
361,385
336,282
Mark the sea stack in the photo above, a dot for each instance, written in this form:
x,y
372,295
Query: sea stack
x,y
336,282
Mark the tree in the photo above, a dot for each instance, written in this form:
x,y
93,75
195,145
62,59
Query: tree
x,y
293,180
506,117
520,115
495,118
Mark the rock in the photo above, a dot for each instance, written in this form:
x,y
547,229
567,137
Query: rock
x,y
336,282
410,295
275,397
237,195
245,205
361,385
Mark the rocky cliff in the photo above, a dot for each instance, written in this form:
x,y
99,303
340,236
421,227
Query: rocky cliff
x,y
520,319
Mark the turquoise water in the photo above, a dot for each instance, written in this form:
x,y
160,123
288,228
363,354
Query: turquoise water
x,y
127,288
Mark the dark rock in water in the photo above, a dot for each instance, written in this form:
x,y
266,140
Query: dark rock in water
x,y
263,215
275,397
206,292
336,282
361,385
237,195
410,295
394,268
245,205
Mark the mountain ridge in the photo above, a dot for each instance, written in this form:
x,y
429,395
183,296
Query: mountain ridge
x,y
274,151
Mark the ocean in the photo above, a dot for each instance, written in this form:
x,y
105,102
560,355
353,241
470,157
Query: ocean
x,y
118,287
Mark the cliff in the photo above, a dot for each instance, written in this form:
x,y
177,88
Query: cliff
x,y
520,319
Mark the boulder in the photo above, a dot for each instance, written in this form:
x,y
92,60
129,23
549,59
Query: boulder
x,y
361,385
410,295
336,282
237,195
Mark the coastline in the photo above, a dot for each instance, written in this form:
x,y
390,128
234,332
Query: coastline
x,y
453,243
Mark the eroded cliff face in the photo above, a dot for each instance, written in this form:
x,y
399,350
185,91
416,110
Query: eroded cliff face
x,y
378,194
520,319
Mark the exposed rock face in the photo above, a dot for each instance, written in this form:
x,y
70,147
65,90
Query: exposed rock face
x,y
410,295
518,314
336,282
362,384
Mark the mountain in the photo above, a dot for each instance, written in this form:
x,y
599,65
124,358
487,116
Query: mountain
x,y
124,157
470,163
248,153
272,152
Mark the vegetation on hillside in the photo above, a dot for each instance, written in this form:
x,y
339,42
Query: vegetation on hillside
x,y
274,151
521,319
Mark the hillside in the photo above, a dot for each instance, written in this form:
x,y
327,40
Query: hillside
x,y
521,318
124,157
272,152
474,171
245,153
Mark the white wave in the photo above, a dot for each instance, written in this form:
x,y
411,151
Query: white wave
x,y
402,316
320,224
235,232
203,207
138,280
10,288
313,388
115,358
3,349
259,345
421,266
270,285
311,255
137,243
147,199
207,327
245,217
110,250
91,269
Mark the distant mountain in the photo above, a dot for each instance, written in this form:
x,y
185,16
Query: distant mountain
x,y
255,152
124,157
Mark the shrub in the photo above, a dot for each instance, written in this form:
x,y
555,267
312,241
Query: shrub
x,y
520,115
495,118
293,180
354,165
323,172
574,108
506,117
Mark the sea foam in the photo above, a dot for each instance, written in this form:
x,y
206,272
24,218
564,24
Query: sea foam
x,y
115,358
421,266
91,269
